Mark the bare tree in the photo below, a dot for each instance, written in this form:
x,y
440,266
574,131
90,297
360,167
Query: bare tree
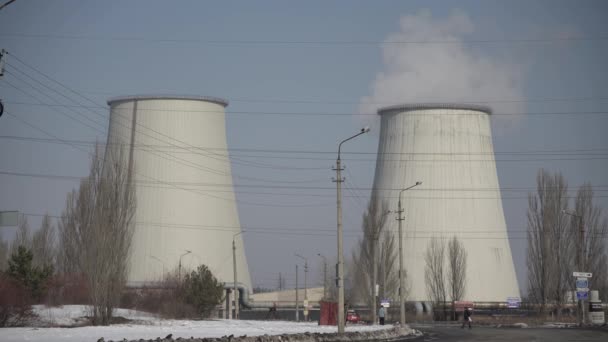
x,y
434,274
366,259
388,266
4,248
43,244
68,251
457,271
96,231
549,257
594,227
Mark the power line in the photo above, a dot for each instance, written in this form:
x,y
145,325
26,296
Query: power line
x,y
161,182
579,151
307,231
381,103
306,43
179,160
320,114
574,155
183,161
596,188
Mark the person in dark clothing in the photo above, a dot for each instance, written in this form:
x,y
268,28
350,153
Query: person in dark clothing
x,y
467,317
272,312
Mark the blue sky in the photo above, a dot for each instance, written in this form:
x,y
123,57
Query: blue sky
x,y
317,57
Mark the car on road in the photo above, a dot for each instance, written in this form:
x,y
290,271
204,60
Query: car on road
x,y
352,316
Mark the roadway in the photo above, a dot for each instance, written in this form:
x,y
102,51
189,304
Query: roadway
x,y
454,334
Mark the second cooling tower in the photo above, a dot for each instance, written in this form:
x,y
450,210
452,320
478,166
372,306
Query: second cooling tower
x,y
449,149
186,215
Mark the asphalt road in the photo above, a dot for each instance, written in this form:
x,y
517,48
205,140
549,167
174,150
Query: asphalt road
x,y
453,334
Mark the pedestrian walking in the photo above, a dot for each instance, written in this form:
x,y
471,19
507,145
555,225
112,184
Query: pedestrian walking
x,y
381,315
467,317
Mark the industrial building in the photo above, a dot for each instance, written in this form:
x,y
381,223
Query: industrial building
x,y
448,147
177,155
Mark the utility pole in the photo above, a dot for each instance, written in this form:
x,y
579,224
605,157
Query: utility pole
x,y
305,286
3,53
340,279
340,283
297,299
236,291
374,273
581,259
400,218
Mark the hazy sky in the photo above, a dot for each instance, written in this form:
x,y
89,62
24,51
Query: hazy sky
x,y
308,57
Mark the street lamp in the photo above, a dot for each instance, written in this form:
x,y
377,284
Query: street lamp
x,y
179,271
401,284
580,257
339,181
324,275
305,286
236,292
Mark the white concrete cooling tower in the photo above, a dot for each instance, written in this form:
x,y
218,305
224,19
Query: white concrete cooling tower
x,y
449,148
178,160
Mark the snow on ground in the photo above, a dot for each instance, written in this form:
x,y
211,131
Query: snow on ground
x,y
149,327
74,315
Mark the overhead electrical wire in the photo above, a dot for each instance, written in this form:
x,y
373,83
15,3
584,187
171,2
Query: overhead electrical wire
x,y
202,193
235,160
307,43
330,231
183,161
596,188
385,103
316,114
579,151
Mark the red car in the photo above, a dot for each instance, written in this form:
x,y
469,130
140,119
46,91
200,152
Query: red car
x,y
352,316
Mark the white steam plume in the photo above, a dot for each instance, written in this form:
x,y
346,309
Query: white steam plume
x,y
442,72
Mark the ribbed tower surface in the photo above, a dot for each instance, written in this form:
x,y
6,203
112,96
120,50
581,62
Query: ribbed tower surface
x,y
177,156
449,149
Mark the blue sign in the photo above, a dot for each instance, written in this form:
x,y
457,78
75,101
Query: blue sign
x,y
582,295
582,283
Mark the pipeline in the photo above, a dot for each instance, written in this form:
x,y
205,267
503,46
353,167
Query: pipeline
x,y
246,301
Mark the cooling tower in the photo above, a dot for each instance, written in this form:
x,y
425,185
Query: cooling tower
x,y
448,148
176,153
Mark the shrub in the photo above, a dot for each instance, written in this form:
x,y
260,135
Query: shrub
x,y
33,279
67,289
15,303
194,296
202,289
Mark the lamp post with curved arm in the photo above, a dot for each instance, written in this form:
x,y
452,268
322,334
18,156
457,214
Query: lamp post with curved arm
x,y
340,279
179,271
401,284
